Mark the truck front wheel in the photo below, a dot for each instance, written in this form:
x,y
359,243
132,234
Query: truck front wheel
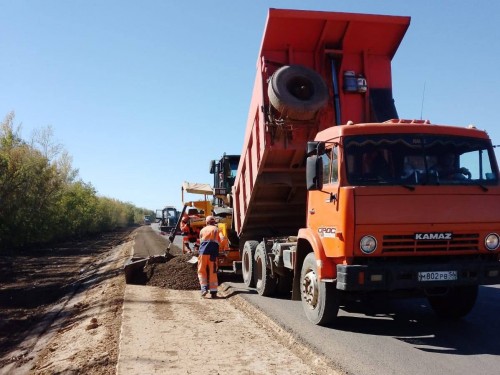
x,y
455,304
320,300
248,263
264,282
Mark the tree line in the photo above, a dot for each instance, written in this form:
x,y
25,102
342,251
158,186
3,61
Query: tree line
x,y
42,199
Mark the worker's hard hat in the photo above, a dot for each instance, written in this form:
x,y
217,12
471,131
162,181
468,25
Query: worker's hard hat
x,y
210,220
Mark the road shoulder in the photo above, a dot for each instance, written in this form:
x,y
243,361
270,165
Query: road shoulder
x,y
178,332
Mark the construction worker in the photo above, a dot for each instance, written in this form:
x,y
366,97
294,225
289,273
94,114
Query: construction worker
x,y
210,238
190,235
186,232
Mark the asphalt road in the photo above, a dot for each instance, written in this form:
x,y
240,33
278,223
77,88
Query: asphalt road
x,y
401,337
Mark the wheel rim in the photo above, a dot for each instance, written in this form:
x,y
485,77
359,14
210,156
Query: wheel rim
x,y
258,273
246,263
309,289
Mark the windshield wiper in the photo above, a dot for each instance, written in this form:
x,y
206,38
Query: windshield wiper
x,y
483,188
409,187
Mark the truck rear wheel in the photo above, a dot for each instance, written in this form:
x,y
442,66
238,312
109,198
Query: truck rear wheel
x,y
248,263
297,92
455,304
264,282
320,300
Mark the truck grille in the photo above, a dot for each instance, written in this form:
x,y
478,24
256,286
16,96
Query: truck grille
x,y
406,243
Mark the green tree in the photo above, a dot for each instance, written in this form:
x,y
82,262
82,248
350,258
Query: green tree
x,y
41,197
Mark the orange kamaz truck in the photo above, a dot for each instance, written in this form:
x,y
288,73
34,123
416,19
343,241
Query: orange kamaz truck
x,y
337,197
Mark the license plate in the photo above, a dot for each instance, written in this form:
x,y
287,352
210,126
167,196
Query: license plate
x,y
437,276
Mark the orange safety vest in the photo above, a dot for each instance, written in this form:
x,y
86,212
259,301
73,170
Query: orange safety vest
x,y
210,233
184,227
209,237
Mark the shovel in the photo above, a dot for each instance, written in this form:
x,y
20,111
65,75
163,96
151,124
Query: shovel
x,y
173,232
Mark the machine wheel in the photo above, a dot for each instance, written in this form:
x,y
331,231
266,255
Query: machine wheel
x,y
297,92
320,300
248,263
455,304
264,282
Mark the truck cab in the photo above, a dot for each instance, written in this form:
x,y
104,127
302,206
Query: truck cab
x,y
405,206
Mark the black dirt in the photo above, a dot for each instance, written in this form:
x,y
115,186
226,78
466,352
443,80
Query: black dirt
x,y
175,273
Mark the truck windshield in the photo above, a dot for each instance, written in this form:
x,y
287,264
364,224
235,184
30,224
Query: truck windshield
x,y
419,159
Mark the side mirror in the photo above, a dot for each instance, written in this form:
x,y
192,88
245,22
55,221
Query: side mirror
x,y
212,166
314,173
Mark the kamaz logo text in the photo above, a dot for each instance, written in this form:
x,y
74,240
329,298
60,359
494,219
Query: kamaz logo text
x,y
433,236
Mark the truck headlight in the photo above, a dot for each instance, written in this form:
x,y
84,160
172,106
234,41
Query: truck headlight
x,y
368,244
492,241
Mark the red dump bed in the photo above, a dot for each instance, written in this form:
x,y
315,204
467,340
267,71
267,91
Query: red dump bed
x,y
269,192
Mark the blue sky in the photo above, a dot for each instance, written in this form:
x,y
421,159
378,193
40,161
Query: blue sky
x,y
143,94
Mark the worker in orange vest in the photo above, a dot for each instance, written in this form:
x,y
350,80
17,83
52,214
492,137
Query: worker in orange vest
x,y
210,238
190,235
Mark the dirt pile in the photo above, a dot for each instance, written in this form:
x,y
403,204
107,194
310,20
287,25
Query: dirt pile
x,y
175,273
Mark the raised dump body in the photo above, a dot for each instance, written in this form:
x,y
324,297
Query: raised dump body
x,y
346,53
336,198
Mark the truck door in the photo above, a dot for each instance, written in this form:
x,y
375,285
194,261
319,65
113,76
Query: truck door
x,y
324,214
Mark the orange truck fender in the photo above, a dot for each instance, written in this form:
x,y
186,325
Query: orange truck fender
x,y
308,240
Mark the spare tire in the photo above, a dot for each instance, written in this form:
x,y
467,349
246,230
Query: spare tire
x,y
297,92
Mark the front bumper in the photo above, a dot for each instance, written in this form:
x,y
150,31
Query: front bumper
x,y
401,276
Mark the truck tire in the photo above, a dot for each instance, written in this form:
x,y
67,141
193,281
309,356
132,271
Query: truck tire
x,y
297,92
320,300
264,282
248,263
455,304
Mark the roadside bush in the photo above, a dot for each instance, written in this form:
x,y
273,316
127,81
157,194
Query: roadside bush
x,y
41,198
